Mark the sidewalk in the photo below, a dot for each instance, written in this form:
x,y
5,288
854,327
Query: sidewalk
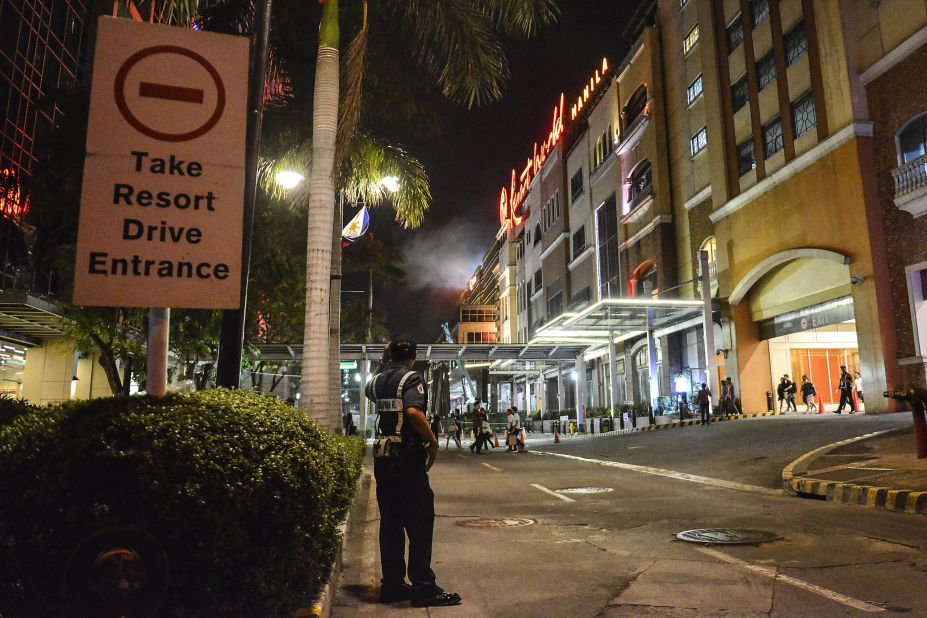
x,y
878,471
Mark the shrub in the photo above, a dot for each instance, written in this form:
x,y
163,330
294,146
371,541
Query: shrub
x,y
11,409
242,492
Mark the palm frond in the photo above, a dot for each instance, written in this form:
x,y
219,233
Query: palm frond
x,y
353,66
369,161
455,42
521,18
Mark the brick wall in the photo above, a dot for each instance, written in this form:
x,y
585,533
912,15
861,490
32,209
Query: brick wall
x,y
894,98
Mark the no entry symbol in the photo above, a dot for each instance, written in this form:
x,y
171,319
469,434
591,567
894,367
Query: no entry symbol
x,y
192,95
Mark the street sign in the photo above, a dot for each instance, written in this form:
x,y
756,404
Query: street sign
x,y
163,190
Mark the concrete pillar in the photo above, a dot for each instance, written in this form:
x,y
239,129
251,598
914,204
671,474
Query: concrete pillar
x,y
711,365
652,360
580,369
612,374
363,398
752,360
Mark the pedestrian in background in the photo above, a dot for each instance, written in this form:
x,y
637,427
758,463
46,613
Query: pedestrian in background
x,y
459,420
727,399
513,428
780,392
858,384
732,395
790,389
807,393
477,417
452,432
704,403
436,425
845,386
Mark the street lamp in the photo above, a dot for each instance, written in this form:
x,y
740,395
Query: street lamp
x,y
288,179
390,183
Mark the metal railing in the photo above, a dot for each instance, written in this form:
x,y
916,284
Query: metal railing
x,y
910,177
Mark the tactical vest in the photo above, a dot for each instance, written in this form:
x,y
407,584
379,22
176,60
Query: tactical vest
x,y
393,437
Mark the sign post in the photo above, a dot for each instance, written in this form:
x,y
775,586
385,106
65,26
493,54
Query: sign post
x,y
162,195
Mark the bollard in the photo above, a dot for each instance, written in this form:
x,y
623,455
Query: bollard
x,y
917,397
769,402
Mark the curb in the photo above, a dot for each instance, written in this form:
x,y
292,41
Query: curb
x,y
795,483
674,424
322,605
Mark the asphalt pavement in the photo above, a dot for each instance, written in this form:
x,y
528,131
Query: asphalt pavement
x,y
513,543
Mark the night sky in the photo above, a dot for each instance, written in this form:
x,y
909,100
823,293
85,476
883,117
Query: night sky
x,y
474,157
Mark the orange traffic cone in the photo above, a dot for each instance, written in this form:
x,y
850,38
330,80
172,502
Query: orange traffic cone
x,y
496,439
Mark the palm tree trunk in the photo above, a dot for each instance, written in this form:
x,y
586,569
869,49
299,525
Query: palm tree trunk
x,y
314,385
334,320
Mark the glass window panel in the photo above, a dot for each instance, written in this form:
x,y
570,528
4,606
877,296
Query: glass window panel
x,y
740,93
804,117
746,157
796,43
766,70
772,136
735,34
759,10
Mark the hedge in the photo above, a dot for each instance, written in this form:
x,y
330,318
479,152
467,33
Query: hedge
x,y
242,492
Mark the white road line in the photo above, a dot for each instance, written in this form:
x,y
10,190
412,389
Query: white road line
x,y
492,467
631,448
553,493
798,583
461,456
682,476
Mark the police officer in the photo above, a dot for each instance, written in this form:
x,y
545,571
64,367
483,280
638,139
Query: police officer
x,y
404,450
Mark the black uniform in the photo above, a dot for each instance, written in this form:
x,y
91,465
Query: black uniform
x,y
846,392
406,502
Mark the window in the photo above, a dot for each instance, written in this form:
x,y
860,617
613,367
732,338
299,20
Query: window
x,y
766,70
746,157
477,315
698,141
576,185
804,117
603,148
640,182
579,241
796,44
481,337
740,93
691,39
555,299
772,136
537,233
636,106
550,213
759,10
694,90
538,280
912,140
606,232
735,34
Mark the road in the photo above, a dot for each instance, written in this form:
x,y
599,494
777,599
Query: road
x,y
615,553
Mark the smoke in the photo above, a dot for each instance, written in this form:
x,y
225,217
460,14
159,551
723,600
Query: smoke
x,y
444,257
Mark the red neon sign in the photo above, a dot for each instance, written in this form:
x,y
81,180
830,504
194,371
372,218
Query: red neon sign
x,y
512,197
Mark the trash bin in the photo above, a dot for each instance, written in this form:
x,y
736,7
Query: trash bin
x,y
769,401
606,425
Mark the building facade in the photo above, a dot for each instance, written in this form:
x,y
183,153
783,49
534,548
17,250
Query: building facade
x,y
785,139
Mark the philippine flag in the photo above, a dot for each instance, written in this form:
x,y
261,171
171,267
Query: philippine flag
x,y
356,227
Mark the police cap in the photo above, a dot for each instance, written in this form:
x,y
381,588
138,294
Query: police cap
x,y
402,348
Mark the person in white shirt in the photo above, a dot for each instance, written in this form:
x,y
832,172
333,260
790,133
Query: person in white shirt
x,y
512,430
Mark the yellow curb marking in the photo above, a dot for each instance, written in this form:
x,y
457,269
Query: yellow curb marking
x,y
772,573
552,492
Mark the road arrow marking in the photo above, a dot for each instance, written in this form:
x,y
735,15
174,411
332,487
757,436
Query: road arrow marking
x,y
772,573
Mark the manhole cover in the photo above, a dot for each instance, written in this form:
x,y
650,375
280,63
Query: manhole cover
x,y
482,522
584,490
727,536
